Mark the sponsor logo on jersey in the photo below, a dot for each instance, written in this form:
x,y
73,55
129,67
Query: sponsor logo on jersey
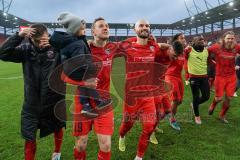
x,y
181,58
228,56
144,59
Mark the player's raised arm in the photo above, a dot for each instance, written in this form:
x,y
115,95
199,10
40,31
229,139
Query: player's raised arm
x,y
164,45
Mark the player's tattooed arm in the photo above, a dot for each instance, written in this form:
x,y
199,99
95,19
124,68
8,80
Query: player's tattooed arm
x,y
164,46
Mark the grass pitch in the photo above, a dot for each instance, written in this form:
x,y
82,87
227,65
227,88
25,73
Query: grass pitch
x,y
212,140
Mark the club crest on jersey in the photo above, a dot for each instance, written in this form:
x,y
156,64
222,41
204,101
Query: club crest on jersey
x,y
152,48
107,51
50,54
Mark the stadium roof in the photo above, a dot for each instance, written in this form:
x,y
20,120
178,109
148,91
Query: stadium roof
x,y
11,21
220,14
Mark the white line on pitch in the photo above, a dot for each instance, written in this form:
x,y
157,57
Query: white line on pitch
x,y
11,78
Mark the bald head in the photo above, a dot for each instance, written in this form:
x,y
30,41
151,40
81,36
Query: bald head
x,y
142,28
141,21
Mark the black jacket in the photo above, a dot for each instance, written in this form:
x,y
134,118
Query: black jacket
x,y
36,65
75,55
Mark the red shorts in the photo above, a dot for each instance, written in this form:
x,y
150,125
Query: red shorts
x,y
225,84
103,124
144,110
178,88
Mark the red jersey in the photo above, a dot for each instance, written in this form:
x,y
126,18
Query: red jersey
x,y
176,66
104,55
140,71
144,68
139,54
225,59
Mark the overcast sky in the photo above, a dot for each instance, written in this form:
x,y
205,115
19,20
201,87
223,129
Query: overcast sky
x,y
114,11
